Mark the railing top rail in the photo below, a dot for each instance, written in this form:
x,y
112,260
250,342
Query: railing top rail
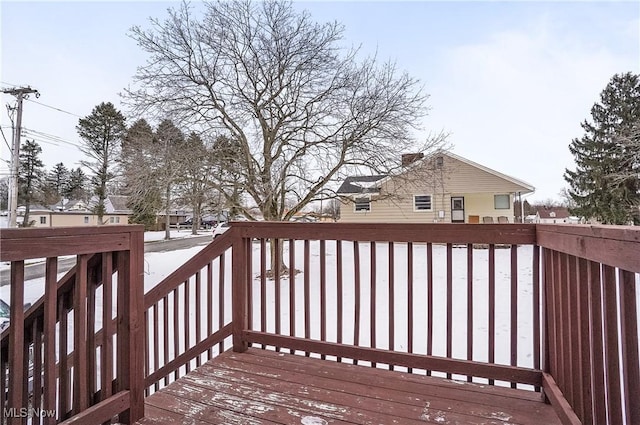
x,y
39,232
414,232
191,267
23,244
617,246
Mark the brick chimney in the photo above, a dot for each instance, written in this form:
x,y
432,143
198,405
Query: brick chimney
x,y
409,158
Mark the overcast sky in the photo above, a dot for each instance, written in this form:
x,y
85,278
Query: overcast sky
x,y
509,81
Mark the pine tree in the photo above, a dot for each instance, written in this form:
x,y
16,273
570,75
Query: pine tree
x,y
606,183
54,184
76,185
101,132
29,176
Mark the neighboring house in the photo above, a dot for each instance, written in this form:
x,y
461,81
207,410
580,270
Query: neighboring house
x,y
70,205
71,213
48,218
554,215
443,187
113,204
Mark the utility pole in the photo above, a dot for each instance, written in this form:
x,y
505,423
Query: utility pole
x,y
20,93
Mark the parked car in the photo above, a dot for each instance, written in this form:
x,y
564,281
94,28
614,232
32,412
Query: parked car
x,y
4,315
205,222
220,229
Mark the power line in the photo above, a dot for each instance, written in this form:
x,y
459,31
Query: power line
x,y
54,108
9,84
5,139
51,137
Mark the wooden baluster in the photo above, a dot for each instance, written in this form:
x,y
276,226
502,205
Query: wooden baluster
x,y
449,303
492,307
323,293
514,308
469,305
17,379
630,361
49,331
410,300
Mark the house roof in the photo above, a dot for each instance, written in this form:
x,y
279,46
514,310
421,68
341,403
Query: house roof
x,y
513,180
350,185
361,184
553,212
119,202
67,205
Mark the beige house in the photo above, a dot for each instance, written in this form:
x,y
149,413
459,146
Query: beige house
x,y
441,188
42,218
78,213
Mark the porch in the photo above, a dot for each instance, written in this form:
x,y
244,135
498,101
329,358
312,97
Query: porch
x,y
535,313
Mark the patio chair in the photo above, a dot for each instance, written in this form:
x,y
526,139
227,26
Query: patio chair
x,y
487,220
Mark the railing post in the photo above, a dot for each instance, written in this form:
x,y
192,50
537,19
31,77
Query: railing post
x,y
239,292
16,397
131,332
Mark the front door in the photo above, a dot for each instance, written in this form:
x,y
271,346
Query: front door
x,y
457,209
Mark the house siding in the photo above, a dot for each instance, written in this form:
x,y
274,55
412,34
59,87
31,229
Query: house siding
x,y
454,178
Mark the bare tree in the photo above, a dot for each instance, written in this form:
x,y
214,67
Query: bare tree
x,y
303,111
195,180
139,167
168,154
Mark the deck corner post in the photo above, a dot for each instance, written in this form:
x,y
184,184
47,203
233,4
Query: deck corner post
x,y
239,292
131,332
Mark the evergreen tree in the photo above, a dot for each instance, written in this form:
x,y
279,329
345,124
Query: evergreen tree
x,y
29,176
606,182
54,184
101,132
4,195
75,188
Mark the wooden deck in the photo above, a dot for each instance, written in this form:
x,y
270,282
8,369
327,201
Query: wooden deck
x,y
264,387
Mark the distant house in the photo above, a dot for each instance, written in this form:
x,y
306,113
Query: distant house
x,y
442,187
554,215
70,205
78,213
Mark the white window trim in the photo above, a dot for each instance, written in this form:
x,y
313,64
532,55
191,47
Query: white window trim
x,y
414,203
362,211
508,202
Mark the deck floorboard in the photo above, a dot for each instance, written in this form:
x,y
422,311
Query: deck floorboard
x,y
265,387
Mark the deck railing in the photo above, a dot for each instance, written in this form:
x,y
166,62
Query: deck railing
x,y
546,307
69,355
592,290
424,298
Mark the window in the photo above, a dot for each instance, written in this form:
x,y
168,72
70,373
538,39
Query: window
x,y
422,202
117,219
362,204
501,202
43,220
86,220
112,220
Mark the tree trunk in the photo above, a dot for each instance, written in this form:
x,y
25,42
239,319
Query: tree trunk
x,y
195,223
167,210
